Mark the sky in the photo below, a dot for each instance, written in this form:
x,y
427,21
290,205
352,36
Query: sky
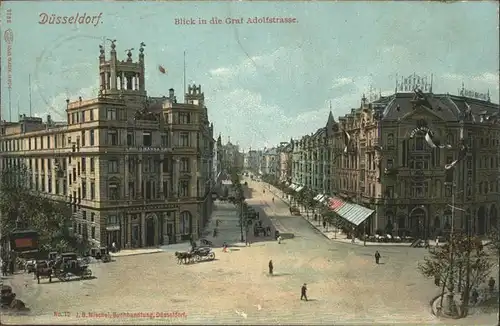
x,y
263,83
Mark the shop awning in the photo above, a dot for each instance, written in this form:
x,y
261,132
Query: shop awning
x,y
319,197
293,186
299,188
354,213
323,199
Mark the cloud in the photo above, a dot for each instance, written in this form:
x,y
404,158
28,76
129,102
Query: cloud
x,y
56,105
481,83
254,64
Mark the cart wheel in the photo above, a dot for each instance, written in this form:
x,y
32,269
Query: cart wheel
x,y
211,256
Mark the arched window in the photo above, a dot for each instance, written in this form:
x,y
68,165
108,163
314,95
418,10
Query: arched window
x,y
185,223
390,140
446,222
113,189
450,139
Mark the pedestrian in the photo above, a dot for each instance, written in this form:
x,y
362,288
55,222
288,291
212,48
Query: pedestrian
x,y
324,224
215,233
279,239
224,247
437,242
113,246
377,257
303,292
4,268
11,266
271,267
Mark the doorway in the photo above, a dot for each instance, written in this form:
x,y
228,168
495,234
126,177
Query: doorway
x,y
170,233
150,232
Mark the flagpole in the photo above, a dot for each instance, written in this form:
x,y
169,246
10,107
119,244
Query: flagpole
x,y
30,92
184,74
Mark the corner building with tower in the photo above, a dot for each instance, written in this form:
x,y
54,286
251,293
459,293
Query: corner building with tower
x,y
137,170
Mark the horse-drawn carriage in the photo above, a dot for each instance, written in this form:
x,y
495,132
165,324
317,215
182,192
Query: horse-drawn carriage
x,y
195,255
65,270
101,253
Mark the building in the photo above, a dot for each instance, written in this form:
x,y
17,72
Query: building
x,y
284,169
136,169
232,158
399,161
269,162
252,160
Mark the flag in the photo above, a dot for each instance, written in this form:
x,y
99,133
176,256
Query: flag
x,y
433,142
162,70
347,140
461,156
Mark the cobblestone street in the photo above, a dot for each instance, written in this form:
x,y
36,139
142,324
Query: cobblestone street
x,y
344,283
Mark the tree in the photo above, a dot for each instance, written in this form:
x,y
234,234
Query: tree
x,y
20,204
467,252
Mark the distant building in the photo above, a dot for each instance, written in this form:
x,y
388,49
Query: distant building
x,y
284,168
253,160
232,158
269,162
135,169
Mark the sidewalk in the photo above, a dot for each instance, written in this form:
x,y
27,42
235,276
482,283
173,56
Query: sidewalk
x,y
134,252
229,230
332,235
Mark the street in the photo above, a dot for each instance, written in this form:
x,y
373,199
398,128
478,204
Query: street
x,y
344,283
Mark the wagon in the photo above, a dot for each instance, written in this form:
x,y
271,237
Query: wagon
x,y
203,253
69,268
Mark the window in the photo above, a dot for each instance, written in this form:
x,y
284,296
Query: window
x,y
84,215
165,189
112,220
84,188
92,164
390,141
185,223
164,140
113,192
147,139
184,188
390,163
419,143
111,114
112,137
389,192
91,115
130,138
92,229
148,189
447,190
92,190
91,138
184,139
83,138
165,165
92,217
112,166
82,116
84,165
184,118
184,165
420,190
131,189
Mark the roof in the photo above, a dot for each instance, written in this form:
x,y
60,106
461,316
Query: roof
x,y
447,107
353,213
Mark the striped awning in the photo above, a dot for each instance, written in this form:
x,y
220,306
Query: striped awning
x,y
319,197
354,213
323,199
293,186
299,188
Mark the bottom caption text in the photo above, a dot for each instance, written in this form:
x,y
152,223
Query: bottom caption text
x,y
118,315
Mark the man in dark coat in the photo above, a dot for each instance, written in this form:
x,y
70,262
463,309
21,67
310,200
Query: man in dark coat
x,y
271,267
377,257
303,292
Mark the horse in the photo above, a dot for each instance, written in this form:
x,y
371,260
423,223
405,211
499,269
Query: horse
x,y
43,272
183,256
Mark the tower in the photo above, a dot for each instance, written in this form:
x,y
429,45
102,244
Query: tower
x,y
122,78
195,96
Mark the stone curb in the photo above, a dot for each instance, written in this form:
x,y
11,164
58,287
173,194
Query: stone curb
x,y
137,254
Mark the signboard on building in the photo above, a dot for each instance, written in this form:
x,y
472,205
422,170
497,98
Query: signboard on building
x,y
24,241
417,130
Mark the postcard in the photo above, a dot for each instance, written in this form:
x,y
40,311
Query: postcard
x,y
249,162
